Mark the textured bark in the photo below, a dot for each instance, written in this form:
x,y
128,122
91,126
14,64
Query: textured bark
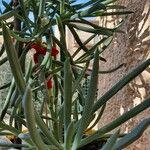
x,y
130,48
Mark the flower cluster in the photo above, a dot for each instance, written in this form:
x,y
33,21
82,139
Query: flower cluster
x,y
41,51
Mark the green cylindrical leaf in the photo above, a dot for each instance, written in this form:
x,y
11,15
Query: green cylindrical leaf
x,y
3,61
69,136
5,86
77,38
133,135
98,118
2,50
114,124
13,60
61,28
67,94
41,8
47,132
9,14
86,116
92,49
101,30
111,13
78,80
30,118
28,71
7,101
19,38
110,93
13,145
6,127
96,6
25,14
84,43
111,141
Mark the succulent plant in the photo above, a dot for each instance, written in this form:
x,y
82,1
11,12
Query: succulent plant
x,y
53,76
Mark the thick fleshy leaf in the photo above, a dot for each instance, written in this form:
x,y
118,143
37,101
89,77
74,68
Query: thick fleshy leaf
x,y
7,6
115,7
46,131
24,15
78,40
13,60
84,43
118,86
86,116
30,118
133,135
106,2
92,49
69,136
2,50
16,36
41,8
9,145
28,71
111,141
96,6
98,118
103,71
62,34
7,101
9,14
117,122
5,86
3,61
110,13
6,127
101,30
87,4
67,94
79,79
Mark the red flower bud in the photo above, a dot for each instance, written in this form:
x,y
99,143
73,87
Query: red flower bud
x,y
54,52
36,58
49,84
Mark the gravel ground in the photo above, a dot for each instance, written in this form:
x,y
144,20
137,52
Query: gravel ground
x,y
4,140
